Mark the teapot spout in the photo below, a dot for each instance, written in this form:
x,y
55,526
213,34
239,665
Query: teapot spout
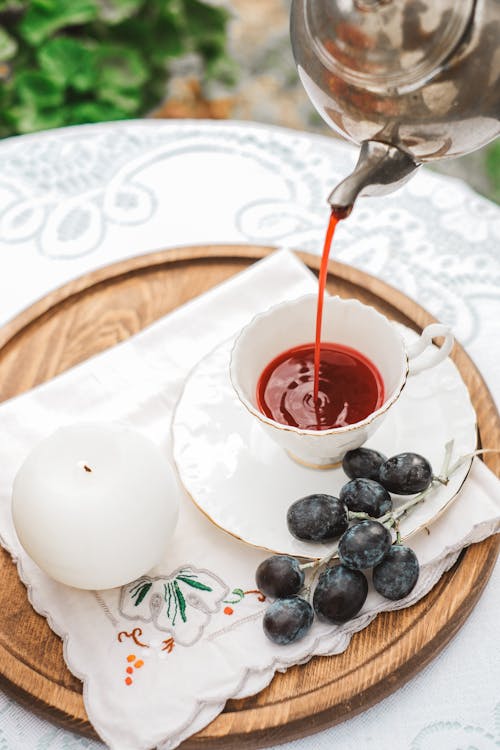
x,y
381,168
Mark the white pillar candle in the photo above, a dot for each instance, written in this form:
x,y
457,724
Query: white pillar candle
x,y
95,505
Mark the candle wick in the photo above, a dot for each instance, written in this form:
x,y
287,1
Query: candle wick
x,y
87,468
83,465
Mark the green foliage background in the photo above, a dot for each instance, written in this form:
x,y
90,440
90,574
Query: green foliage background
x,y
65,62
493,169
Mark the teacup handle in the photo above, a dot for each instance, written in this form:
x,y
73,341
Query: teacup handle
x,y
424,342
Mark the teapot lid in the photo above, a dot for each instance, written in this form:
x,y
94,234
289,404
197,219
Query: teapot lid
x,y
386,44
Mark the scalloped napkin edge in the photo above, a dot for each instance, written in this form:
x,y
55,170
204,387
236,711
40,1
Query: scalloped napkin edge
x,y
216,654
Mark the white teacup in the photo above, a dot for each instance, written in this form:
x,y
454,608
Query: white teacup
x,y
347,322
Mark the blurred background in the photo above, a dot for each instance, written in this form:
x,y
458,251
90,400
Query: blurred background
x,y
66,62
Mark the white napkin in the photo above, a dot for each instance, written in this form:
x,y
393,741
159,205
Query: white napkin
x,y
183,673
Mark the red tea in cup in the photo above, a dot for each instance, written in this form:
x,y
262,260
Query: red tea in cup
x,y
350,387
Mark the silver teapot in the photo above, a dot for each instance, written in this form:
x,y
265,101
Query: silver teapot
x,y
411,81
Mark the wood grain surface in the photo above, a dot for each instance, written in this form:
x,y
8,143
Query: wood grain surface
x,y
106,306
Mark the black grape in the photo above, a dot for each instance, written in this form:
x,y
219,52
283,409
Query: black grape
x,y
279,576
317,518
288,620
397,574
364,545
406,474
366,496
363,462
340,594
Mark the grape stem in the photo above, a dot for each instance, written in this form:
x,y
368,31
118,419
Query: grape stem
x,y
392,518
463,459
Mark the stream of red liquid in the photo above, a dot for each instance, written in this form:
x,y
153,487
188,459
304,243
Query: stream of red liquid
x,y
335,216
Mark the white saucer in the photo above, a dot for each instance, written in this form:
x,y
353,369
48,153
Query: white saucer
x,y
245,483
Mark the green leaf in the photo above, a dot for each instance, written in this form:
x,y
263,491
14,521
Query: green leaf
x,y
181,600
25,118
238,593
207,33
116,11
203,18
121,67
140,592
37,89
176,602
69,62
170,43
8,45
173,11
212,46
194,584
168,598
493,164
93,112
127,101
44,17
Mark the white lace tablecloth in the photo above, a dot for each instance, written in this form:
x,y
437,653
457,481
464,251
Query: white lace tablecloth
x,y
75,199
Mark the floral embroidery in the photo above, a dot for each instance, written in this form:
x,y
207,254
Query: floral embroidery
x,y
139,591
239,595
180,604
132,663
135,635
260,596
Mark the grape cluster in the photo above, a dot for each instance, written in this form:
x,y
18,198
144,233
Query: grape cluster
x,y
364,543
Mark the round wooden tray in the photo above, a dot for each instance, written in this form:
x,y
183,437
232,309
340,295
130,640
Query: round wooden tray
x,y
105,307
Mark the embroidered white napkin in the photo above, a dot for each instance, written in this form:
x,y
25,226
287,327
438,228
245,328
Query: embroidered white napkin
x,y
160,657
